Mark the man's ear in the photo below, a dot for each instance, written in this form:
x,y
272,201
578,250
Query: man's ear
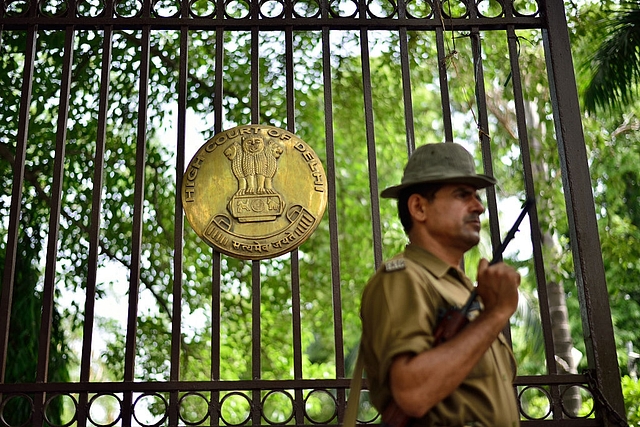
x,y
416,205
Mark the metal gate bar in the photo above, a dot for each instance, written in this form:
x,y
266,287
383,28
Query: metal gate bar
x,y
592,289
16,196
525,151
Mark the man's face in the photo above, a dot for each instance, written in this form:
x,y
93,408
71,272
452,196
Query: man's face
x,y
453,217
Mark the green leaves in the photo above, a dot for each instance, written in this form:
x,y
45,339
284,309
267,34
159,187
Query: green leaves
x,y
613,66
327,270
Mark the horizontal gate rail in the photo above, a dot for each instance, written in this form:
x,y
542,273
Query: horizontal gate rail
x,y
270,24
538,380
210,391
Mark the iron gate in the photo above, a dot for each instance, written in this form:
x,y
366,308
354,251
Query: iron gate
x,y
23,26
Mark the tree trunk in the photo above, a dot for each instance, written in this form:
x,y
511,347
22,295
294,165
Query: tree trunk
x,y
560,328
563,343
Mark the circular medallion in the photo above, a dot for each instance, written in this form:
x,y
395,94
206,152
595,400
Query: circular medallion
x,y
254,192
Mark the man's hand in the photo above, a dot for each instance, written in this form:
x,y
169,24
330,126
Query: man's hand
x,y
498,288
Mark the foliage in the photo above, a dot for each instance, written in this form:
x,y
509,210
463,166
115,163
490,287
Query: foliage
x,y
613,67
631,391
26,309
611,133
612,140
616,193
24,330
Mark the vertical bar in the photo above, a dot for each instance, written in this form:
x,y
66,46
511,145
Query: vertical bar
x,y
16,196
96,207
298,406
331,188
255,75
331,172
406,91
216,301
374,193
529,180
485,142
371,146
289,83
583,228
216,260
136,237
295,258
219,74
176,329
483,134
54,225
442,71
406,80
525,151
256,342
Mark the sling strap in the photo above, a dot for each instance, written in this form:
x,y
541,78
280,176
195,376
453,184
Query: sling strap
x,y
354,395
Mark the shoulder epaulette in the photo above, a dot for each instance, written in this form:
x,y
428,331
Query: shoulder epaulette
x,y
394,265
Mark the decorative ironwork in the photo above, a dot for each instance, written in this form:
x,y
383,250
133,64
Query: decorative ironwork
x,y
239,404
234,408
303,12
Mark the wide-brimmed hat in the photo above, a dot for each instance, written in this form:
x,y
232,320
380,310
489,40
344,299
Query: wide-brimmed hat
x,y
446,162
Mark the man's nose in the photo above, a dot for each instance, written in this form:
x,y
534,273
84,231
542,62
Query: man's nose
x,y
479,206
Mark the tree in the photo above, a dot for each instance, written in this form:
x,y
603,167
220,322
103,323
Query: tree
x,y
23,345
613,68
608,81
22,348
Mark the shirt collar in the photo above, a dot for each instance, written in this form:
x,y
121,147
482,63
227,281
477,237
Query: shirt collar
x,y
435,265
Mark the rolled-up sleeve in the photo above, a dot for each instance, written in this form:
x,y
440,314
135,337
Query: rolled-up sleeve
x,y
399,311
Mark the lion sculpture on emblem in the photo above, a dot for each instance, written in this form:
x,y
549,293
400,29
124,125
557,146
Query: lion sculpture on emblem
x,y
254,164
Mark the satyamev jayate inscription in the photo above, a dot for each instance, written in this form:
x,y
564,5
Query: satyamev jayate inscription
x,y
254,192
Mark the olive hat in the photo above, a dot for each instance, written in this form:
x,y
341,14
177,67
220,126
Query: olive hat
x,y
446,163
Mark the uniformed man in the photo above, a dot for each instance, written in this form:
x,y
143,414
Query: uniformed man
x,y
467,381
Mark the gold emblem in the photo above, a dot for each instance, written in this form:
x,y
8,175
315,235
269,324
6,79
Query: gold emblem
x,y
254,192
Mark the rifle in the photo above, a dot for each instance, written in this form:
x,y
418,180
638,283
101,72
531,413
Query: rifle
x,y
453,320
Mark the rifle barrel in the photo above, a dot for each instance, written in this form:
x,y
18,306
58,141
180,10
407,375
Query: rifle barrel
x,y
497,254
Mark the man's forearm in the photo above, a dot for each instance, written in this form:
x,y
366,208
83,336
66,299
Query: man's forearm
x,y
419,382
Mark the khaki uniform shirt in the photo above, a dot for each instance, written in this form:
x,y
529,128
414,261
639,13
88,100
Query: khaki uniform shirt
x,y
399,312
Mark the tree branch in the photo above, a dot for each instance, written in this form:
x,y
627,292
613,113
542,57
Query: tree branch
x,y
627,126
32,178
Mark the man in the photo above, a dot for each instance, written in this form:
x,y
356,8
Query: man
x,y
466,381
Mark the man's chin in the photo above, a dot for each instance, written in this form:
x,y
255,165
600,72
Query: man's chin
x,y
473,240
